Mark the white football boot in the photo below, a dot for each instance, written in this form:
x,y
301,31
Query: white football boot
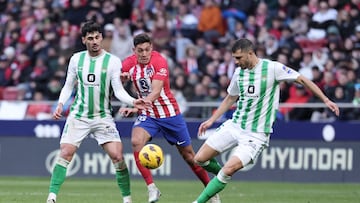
x,y
51,198
154,193
215,199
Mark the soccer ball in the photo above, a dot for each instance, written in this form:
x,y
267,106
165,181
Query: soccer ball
x,y
151,156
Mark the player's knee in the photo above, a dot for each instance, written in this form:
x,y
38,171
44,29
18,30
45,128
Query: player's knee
x,y
138,140
66,154
116,157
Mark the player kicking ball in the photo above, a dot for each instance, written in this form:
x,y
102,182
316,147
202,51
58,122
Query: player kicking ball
x,y
255,88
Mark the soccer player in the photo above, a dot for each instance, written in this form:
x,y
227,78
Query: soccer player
x,y
149,73
255,88
96,73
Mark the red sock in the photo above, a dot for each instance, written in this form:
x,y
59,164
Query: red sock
x,y
201,174
145,173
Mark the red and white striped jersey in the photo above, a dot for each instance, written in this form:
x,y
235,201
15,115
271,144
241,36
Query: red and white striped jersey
x,y
142,76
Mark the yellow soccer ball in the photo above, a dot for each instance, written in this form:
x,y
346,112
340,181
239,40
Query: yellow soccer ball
x,y
151,156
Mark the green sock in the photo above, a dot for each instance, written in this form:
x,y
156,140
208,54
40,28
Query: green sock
x,y
213,187
57,178
213,167
123,180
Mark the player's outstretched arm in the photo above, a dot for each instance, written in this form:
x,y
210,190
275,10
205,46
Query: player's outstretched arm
x,y
317,91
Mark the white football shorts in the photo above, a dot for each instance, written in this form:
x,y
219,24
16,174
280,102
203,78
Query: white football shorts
x,y
103,130
245,145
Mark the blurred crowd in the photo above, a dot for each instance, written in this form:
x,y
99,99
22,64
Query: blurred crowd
x,y
318,38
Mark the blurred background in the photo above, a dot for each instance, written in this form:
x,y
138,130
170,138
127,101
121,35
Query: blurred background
x,y
320,39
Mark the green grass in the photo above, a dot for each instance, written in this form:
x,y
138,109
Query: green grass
x,y
76,190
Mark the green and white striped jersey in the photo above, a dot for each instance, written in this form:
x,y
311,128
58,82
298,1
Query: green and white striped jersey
x,y
96,78
258,90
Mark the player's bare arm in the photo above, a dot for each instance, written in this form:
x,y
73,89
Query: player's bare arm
x,y
317,91
224,106
156,87
58,111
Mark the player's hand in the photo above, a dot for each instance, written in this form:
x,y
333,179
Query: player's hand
x,y
125,111
124,77
58,111
204,126
142,104
333,107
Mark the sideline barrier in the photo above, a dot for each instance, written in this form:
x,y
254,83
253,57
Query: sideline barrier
x,y
301,161
297,152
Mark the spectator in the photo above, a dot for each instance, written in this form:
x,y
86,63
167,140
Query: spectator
x,y
227,67
122,43
211,23
108,36
161,34
190,64
301,96
199,95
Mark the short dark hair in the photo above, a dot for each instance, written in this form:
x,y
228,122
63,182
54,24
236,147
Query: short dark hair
x,y
89,27
141,38
244,45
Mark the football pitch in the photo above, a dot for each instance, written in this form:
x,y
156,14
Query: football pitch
x,y
81,190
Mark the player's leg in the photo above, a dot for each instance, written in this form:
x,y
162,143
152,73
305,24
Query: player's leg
x,y
221,141
188,154
249,146
144,129
218,183
73,133
58,176
115,152
105,132
205,158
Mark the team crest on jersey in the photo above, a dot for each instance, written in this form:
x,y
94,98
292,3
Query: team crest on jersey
x,y
149,71
286,69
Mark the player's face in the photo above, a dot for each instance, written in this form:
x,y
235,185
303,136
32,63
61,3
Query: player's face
x,y
242,59
92,42
143,52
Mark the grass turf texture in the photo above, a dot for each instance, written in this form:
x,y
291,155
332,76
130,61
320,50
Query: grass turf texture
x,y
77,190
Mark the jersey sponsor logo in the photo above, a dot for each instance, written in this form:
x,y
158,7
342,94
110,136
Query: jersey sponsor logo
x,y
251,89
162,72
251,92
91,77
144,85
